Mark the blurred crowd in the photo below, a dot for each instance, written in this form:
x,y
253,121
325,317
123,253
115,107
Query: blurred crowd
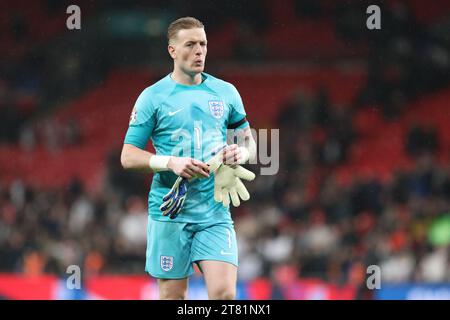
x,y
48,230
306,222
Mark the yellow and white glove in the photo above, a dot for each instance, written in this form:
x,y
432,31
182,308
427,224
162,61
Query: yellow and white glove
x,y
227,181
228,184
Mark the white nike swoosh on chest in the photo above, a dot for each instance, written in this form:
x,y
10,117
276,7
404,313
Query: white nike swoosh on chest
x,y
224,253
171,113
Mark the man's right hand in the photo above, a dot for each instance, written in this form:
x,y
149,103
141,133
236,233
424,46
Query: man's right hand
x,y
188,168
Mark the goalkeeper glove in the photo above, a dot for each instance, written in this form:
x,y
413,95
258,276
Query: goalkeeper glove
x,y
224,183
228,184
174,199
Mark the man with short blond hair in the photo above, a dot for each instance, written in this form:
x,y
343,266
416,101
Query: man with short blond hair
x,y
187,115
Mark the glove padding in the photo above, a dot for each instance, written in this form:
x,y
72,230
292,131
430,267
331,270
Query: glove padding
x,y
174,199
228,184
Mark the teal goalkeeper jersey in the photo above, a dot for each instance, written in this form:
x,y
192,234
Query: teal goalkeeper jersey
x,y
186,121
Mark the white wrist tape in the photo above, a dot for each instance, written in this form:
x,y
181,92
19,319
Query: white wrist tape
x,y
245,155
159,163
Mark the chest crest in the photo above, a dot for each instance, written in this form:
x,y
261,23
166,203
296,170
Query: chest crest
x,y
216,107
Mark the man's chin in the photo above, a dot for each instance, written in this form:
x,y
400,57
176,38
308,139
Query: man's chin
x,y
198,69
195,70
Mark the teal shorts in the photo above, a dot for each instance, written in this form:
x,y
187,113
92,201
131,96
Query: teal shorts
x,y
173,247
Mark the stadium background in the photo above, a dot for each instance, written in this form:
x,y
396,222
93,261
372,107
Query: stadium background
x,y
363,115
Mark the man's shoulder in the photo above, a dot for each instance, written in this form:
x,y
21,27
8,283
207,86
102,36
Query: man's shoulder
x,y
157,89
219,83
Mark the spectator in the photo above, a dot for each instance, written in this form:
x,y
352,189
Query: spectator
x,y
133,226
421,139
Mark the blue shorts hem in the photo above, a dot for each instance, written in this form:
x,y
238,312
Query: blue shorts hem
x,y
197,260
168,276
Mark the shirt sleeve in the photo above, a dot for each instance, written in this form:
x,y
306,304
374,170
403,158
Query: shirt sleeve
x,y
142,121
237,118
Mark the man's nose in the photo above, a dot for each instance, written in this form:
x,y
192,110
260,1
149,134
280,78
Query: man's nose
x,y
198,50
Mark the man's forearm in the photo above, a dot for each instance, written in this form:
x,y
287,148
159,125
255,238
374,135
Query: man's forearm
x,y
133,158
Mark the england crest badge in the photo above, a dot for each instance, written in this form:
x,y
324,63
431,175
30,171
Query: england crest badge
x,y
216,108
166,263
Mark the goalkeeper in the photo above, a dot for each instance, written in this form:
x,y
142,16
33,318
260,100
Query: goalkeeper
x,y
187,115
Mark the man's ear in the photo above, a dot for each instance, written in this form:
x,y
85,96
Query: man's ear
x,y
171,50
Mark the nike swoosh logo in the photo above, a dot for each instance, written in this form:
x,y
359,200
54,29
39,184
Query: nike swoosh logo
x,y
171,113
225,253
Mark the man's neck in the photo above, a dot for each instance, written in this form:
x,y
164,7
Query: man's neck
x,y
186,79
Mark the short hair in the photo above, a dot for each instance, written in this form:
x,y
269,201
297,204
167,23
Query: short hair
x,y
182,23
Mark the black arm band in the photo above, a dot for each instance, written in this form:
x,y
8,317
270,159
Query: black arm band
x,y
237,124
